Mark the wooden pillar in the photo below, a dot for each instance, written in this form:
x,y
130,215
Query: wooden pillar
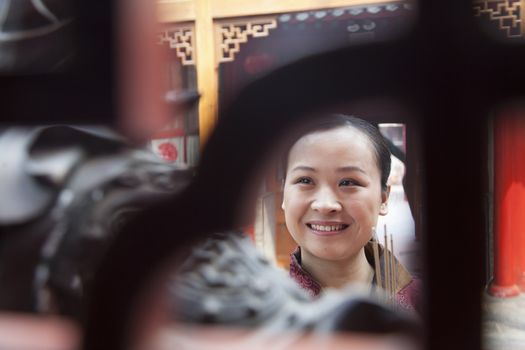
x,y
509,219
519,207
207,76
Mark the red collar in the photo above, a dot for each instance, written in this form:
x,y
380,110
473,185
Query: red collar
x,y
301,276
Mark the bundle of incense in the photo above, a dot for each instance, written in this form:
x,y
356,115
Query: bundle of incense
x,y
375,246
390,267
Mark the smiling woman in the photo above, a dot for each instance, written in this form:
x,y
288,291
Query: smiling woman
x,y
334,191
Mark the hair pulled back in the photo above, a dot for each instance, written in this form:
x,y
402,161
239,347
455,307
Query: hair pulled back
x,y
334,121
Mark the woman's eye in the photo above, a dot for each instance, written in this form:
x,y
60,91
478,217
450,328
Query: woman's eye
x,y
348,182
304,181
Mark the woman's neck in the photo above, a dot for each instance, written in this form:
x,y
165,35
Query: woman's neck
x,y
336,274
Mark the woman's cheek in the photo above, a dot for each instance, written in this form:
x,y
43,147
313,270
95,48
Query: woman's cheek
x,y
362,214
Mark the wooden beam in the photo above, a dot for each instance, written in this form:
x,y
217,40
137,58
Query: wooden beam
x,y
239,8
184,10
207,75
176,11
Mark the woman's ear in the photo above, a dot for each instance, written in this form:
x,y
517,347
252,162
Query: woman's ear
x,y
383,209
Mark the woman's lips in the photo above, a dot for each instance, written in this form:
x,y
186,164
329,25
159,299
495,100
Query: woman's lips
x,y
329,228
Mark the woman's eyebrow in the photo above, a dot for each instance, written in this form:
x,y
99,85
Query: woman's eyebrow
x,y
350,168
303,167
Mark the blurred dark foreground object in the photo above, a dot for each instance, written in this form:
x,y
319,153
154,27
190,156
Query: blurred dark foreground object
x,y
36,36
221,338
66,193
25,331
226,282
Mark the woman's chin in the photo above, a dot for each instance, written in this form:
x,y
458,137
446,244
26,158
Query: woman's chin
x,y
331,254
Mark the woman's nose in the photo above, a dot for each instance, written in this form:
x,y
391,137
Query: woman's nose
x,y
326,202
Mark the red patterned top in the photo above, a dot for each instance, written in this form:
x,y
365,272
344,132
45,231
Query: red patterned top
x,y
408,292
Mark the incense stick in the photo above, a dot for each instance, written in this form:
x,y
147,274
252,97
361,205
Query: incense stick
x,y
387,265
394,280
379,279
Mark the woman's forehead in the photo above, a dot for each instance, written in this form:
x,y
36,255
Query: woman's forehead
x,y
345,138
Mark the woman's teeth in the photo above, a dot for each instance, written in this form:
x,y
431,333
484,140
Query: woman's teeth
x,y
328,228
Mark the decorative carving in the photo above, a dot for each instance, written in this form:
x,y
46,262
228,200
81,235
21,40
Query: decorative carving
x,y
180,39
232,35
225,281
94,184
505,12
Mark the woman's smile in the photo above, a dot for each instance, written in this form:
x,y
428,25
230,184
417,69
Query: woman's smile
x,y
327,228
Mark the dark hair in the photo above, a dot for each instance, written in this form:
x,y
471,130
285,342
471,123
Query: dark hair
x,y
333,121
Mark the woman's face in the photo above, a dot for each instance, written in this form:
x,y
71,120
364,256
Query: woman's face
x,y
332,194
